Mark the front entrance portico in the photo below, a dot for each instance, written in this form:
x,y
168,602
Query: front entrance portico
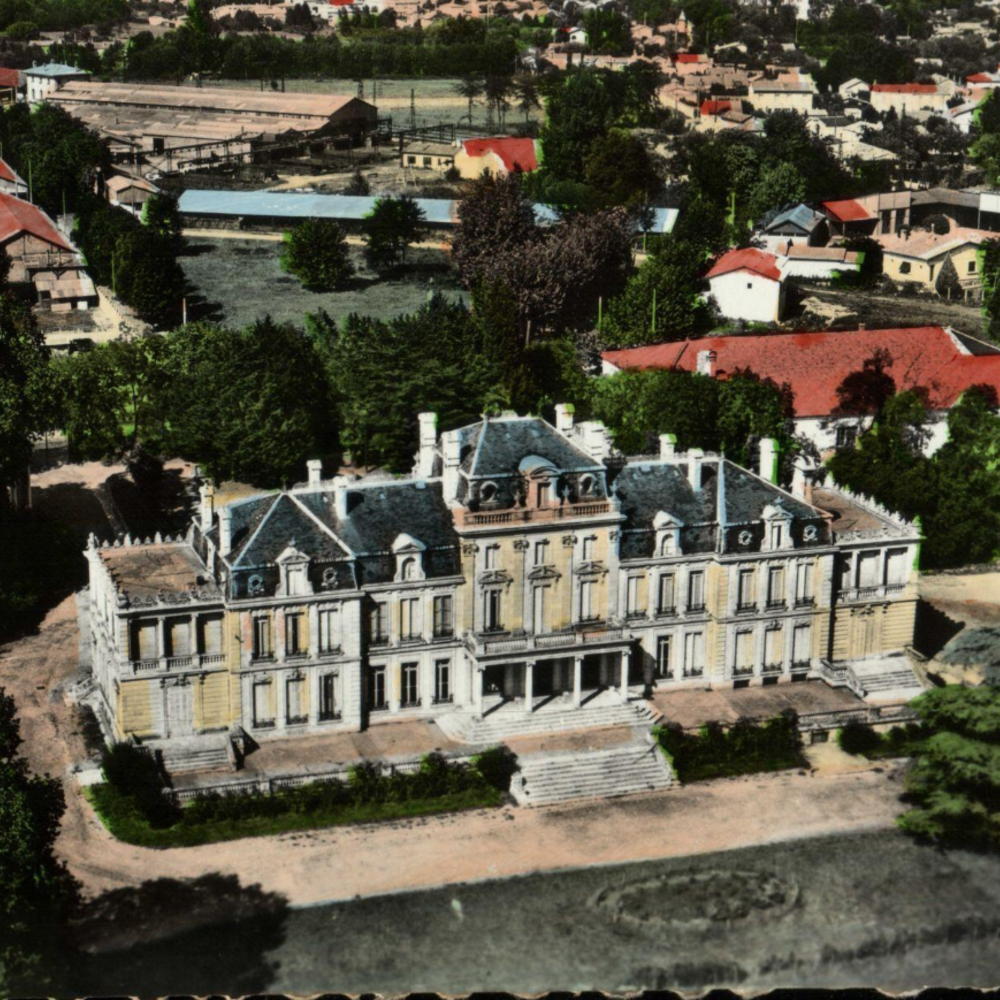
x,y
567,681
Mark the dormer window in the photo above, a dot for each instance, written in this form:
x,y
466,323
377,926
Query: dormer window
x,y
668,534
777,536
294,567
588,486
544,493
409,558
488,493
777,528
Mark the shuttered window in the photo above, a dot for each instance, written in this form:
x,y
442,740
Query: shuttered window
x,y
144,641
694,654
744,651
211,635
895,567
802,644
294,699
774,645
263,714
329,629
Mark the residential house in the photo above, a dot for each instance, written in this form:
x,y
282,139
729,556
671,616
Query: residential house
x,y
10,86
798,260
796,94
796,226
892,211
128,192
437,156
498,157
747,285
42,81
854,88
909,98
521,563
942,361
917,257
10,181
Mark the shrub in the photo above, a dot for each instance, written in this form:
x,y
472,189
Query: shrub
x,y
135,775
497,766
316,252
858,738
452,175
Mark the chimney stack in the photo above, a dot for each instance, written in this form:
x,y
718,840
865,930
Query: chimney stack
x,y
315,467
225,531
695,457
451,446
769,460
706,363
668,446
564,418
594,439
428,442
340,497
802,481
207,494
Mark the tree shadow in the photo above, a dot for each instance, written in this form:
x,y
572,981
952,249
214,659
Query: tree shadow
x,y
170,936
164,506
934,629
201,310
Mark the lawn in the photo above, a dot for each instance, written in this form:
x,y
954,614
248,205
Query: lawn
x,y
125,822
237,281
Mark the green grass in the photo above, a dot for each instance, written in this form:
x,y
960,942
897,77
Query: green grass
x,y
126,823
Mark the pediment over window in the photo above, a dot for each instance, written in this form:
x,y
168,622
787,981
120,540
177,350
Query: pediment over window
x,y
409,557
544,573
293,566
668,533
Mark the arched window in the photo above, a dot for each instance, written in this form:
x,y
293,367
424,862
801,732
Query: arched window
x,y
587,486
409,571
488,493
668,544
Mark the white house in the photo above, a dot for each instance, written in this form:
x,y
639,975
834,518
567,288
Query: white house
x,y
796,260
44,80
748,285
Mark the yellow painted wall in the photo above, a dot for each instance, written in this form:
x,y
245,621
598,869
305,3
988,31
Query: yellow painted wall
x,y
212,702
926,272
139,707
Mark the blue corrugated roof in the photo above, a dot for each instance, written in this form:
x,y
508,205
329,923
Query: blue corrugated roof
x,y
352,208
55,69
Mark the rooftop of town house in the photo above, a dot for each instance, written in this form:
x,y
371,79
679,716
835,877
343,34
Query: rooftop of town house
x,y
798,251
800,217
847,210
748,259
55,70
170,572
431,148
7,173
18,216
904,88
515,154
946,362
852,515
926,244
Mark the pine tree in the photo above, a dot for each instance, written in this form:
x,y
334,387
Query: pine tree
x,y
948,286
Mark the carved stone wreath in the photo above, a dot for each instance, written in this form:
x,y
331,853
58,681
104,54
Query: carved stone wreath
x,y
745,537
810,533
255,585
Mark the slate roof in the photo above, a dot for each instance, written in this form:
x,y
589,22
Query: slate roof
x,y
286,522
801,217
502,444
55,70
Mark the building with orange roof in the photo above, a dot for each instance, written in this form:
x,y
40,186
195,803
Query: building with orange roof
x,y
497,156
747,285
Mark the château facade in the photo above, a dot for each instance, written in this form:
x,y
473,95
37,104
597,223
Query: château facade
x,y
519,562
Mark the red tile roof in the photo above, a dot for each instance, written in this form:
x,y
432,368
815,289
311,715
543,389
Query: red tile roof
x,y
10,77
904,88
688,57
17,216
715,107
814,364
515,154
749,259
980,78
6,173
848,210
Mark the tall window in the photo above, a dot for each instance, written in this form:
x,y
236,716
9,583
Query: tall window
x,y
694,654
777,535
144,640
376,689
895,567
802,645
544,493
409,618
378,622
776,586
410,569
663,647
746,596
210,635
296,638
294,701
493,618
665,604
410,694
696,590
804,583
262,638
868,569
539,608
541,553
632,595
263,710
328,697
587,600
589,545
774,650
744,651
178,637
442,681
329,630
492,556
443,621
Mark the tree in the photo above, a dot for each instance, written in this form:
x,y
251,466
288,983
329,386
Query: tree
x,y
147,275
316,252
608,32
779,186
391,226
955,780
251,405
865,392
358,185
24,387
470,87
526,92
37,893
163,217
621,171
947,284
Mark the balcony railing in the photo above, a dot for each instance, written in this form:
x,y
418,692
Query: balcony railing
x,y
771,669
192,661
483,518
851,595
805,602
486,644
746,609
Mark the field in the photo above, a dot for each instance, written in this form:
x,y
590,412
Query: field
x,y
239,280
866,909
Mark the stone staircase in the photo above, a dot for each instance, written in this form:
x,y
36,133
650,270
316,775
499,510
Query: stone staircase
x,y
889,678
195,753
545,779
509,720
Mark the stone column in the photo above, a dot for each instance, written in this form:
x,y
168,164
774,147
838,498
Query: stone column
x,y
529,686
626,661
477,689
577,681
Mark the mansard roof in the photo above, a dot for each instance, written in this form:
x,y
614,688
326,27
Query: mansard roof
x,y
501,443
284,521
